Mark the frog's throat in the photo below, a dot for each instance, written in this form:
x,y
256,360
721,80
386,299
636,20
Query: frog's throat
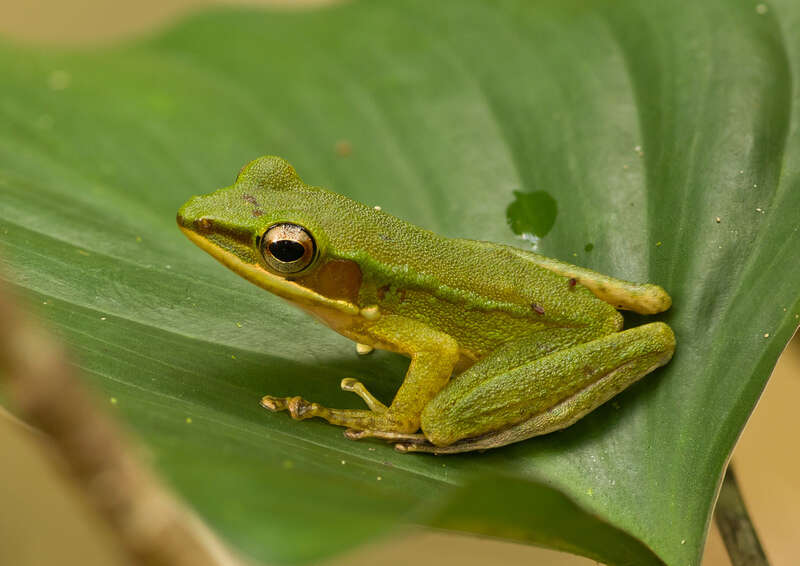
x,y
285,289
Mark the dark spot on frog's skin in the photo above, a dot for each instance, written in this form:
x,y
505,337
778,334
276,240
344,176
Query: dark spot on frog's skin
x,y
251,199
382,292
384,237
205,225
572,282
402,295
257,212
537,308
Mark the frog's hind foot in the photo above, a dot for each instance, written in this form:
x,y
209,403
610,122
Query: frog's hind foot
x,y
415,442
405,437
418,442
427,447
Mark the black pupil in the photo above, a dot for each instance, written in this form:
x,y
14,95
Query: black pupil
x,y
286,250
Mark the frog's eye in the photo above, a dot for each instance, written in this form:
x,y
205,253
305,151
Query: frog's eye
x,y
288,248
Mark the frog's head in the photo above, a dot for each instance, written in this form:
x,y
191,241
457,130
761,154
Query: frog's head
x,y
266,227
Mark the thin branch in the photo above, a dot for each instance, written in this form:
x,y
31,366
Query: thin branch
x,y
736,527
151,524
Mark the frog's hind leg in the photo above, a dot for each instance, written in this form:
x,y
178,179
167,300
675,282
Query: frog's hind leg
x,y
542,396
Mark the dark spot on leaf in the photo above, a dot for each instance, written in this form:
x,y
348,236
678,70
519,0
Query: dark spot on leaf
x,y
343,148
532,213
588,247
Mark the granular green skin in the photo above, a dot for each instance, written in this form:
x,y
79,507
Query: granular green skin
x,y
545,334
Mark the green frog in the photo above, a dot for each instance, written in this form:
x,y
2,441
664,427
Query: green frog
x,y
505,344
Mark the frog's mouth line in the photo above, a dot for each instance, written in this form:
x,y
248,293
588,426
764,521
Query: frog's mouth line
x,y
284,288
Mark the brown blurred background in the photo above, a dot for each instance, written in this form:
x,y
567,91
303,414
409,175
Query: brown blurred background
x,y
45,522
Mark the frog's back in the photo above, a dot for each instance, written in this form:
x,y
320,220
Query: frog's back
x,y
458,285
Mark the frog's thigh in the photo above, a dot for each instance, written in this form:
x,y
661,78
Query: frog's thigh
x,y
541,396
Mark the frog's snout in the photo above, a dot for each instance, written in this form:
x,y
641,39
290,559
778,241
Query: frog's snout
x,y
188,223
200,225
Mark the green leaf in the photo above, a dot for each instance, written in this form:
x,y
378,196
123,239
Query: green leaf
x,y
666,134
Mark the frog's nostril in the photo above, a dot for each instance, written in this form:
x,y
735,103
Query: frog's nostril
x,y
204,225
198,225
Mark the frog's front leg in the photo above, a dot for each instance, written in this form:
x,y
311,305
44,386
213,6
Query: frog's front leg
x,y
433,357
495,403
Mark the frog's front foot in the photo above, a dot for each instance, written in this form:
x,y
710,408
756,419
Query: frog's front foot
x,y
355,386
298,407
377,420
301,409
